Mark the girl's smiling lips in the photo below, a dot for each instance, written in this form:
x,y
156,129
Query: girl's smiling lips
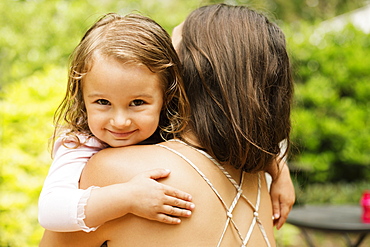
x,y
121,134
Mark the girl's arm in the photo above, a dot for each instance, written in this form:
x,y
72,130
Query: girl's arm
x,y
142,196
64,207
281,190
61,202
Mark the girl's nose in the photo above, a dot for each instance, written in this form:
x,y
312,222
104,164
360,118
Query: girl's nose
x,y
120,120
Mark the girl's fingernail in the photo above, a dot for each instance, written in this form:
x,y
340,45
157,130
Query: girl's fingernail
x,y
276,216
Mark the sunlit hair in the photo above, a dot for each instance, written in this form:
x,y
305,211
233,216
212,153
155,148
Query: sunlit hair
x,y
239,84
129,39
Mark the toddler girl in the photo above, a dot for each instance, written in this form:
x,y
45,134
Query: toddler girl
x,y
123,83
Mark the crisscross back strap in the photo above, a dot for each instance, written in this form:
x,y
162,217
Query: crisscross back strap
x,y
239,194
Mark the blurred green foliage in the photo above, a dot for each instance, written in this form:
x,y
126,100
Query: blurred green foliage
x,y
330,118
332,193
311,10
41,32
26,112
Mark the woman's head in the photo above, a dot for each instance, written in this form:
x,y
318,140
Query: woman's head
x,y
237,77
131,39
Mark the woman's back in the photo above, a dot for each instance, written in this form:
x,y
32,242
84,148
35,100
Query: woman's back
x,y
210,216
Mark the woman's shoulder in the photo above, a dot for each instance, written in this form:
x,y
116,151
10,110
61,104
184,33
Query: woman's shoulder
x,y
142,153
130,161
138,153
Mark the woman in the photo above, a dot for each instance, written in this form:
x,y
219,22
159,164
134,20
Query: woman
x,y
237,77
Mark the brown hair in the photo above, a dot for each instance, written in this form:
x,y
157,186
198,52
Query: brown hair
x,y
130,39
238,80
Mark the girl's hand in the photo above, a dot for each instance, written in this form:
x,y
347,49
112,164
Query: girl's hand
x,y
155,201
282,196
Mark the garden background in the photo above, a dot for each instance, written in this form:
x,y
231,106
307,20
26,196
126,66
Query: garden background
x,y
331,116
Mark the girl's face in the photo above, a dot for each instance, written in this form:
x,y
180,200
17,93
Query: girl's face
x,y
123,101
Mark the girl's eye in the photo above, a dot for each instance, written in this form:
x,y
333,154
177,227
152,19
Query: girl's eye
x,y
103,102
137,102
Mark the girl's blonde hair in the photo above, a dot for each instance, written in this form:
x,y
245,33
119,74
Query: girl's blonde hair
x,y
130,39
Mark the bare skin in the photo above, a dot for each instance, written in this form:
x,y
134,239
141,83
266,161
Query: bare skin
x,y
204,226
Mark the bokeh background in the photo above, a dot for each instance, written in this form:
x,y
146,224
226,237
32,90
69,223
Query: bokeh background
x,y
331,117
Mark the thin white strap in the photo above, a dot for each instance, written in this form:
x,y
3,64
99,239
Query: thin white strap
x,y
229,216
231,179
255,217
239,194
196,168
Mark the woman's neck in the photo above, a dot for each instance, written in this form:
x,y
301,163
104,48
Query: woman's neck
x,y
189,138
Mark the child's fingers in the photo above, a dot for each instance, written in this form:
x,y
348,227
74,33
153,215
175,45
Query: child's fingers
x,y
178,203
170,214
280,222
275,208
156,173
284,212
175,212
170,191
168,219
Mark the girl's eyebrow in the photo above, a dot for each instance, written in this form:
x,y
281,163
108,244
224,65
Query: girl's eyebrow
x,y
95,95
143,95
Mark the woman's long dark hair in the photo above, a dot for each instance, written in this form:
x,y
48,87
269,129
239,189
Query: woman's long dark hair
x,y
238,80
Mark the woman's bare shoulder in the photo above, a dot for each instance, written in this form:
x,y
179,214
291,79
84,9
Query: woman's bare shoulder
x,y
121,164
127,156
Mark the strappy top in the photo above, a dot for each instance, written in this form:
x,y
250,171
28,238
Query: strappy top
x,y
239,195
